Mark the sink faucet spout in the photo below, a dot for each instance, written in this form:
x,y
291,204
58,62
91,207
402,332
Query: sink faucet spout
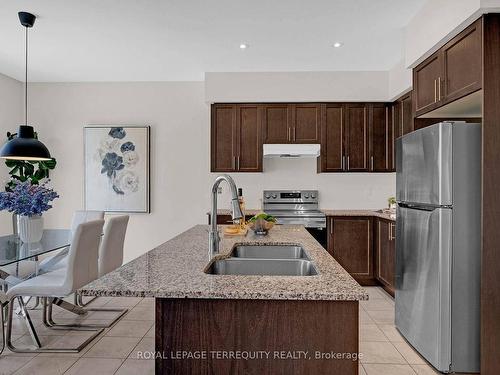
x,y
214,238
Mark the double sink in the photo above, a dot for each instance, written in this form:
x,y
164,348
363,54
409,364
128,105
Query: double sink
x,y
270,260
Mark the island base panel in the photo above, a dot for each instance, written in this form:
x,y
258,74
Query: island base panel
x,y
215,329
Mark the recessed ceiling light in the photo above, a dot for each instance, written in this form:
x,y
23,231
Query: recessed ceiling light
x,y
338,44
243,46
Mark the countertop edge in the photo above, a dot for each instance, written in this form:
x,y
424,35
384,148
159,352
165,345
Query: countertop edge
x,y
328,212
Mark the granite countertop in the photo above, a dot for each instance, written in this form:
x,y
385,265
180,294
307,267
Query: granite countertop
x,y
175,269
367,212
375,213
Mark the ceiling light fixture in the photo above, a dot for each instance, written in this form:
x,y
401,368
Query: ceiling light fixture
x,y
243,46
24,145
338,44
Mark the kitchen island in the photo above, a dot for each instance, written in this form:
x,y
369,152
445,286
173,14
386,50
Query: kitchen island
x,y
221,324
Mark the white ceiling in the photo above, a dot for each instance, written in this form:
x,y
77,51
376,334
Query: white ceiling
x,y
165,40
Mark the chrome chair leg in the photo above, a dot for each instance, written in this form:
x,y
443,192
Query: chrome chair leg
x,y
69,306
45,350
37,303
19,311
49,321
79,300
27,319
2,322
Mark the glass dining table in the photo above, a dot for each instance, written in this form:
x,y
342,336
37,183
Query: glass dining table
x,y
13,251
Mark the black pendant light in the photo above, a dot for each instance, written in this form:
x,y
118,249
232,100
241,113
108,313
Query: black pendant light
x,y
24,145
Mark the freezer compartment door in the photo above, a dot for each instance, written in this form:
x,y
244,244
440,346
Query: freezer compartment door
x,y
423,282
424,166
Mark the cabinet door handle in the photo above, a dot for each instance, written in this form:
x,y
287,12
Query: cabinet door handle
x,y
331,226
289,134
238,163
439,88
371,163
343,162
347,162
435,91
391,232
294,137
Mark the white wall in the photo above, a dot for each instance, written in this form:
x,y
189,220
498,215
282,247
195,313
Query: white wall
x,y
179,120
336,190
11,116
435,23
400,80
296,86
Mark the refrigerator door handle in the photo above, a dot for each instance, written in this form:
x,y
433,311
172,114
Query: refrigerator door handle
x,y
421,207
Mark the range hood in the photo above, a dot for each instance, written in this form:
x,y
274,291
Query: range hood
x,y
291,150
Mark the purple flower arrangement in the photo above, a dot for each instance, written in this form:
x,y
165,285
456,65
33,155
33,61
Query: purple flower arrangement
x,y
27,199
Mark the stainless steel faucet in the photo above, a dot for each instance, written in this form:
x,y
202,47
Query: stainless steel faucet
x,y
213,234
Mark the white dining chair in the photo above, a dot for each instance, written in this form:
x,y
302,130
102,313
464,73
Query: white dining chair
x,y
111,248
110,258
79,217
82,268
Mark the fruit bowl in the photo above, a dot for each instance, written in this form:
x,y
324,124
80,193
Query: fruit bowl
x,y
261,224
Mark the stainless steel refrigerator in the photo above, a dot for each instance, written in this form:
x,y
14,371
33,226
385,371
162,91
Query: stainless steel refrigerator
x,y
438,239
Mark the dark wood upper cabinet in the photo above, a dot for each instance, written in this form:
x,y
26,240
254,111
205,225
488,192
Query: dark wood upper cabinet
x,y
406,114
223,138
462,63
356,125
380,137
249,158
452,72
332,138
277,120
350,241
236,138
426,83
354,137
306,123
385,254
291,123
401,123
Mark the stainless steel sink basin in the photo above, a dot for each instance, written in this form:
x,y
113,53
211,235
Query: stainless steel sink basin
x,y
270,267
270,252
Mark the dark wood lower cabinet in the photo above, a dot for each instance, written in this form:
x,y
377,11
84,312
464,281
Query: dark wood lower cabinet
x,y
385,253
350,242
365,246
213,328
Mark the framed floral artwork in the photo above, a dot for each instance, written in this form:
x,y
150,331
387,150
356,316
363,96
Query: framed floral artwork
x,y
117,168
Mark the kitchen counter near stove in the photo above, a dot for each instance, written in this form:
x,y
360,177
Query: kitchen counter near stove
x,y
373,213
327,212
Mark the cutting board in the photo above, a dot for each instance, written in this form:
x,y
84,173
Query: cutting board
x,y
240,233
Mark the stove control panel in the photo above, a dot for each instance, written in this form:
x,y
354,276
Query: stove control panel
x,y
291,196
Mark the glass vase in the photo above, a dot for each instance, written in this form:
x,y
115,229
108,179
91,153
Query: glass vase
x,y
30,228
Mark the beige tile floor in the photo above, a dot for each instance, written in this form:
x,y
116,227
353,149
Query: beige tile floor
x,y
116,351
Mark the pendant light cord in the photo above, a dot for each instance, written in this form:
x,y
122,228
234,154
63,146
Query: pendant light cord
x,y
26,81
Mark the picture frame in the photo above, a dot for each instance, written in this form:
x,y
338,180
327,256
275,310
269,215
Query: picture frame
x,y
117,168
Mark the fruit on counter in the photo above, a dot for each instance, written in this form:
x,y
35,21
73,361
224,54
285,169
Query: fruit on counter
x,y
263,216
